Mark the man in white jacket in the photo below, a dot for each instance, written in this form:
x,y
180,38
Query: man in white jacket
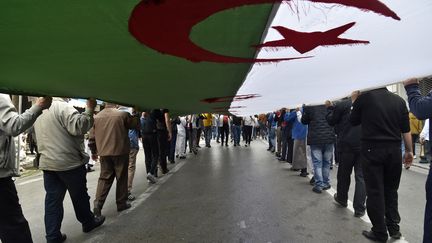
x,y
181,138
60,137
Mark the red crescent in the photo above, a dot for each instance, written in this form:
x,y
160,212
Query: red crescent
x,y
165,25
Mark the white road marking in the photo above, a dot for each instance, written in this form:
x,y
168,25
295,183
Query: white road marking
x,y
98,236
242,224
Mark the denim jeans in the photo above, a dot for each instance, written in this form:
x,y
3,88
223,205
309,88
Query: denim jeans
x,y
208,135
321,158
56,183
272,137
236,129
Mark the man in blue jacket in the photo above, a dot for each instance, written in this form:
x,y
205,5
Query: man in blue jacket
x,y
421,106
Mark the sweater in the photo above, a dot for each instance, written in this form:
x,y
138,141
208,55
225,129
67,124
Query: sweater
x,y
383,116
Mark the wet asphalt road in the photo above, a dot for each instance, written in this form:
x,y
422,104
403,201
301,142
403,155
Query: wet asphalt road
x,y
233,194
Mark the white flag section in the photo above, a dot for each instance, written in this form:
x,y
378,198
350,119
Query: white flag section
x,y
396,50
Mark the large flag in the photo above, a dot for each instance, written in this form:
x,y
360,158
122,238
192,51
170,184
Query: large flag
x,y
347,49
193,55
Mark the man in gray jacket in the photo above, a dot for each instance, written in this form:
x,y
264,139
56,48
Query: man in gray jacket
x,y
13,226
60,137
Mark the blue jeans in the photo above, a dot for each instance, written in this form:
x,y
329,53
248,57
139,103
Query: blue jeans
x,y
272,137
236,129
321,158
208,135
56,183
427,234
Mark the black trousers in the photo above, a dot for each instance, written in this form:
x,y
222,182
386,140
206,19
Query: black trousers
x,y
349,160
382,168
162,138
13,226
247,133
151,152
224,132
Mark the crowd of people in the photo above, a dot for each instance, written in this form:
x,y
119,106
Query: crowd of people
x,y
368,133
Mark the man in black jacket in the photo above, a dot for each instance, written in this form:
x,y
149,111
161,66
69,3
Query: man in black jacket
x,y
383,117
348,147
321,138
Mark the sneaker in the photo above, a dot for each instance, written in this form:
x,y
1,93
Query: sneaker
x,y
131,197
359,214
97,221
395,234
312,181
151,178
317,189
326,187
124,207
340,202
304,174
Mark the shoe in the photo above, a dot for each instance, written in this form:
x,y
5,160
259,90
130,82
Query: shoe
x,y
359,214
177,155
123,208
89,169
217,141
372,236
165,171
226,145
331,167
268,149
97,221
62,238
97,211
182,157
195,152
246,145
326,188
131,197
292,169
317,189
278,154
312,181
395,234
151,178
304,174
340,202
172,161
415,156
280,159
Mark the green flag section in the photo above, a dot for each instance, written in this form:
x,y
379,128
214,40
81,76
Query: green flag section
x,y
83,48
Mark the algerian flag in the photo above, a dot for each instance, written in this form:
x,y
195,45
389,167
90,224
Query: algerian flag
x,y
193,55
